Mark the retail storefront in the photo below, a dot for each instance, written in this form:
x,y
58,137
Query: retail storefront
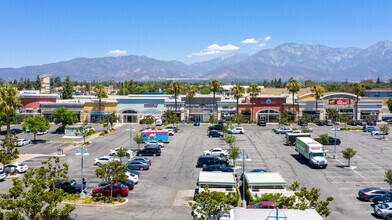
x,y
92,112
31,101
48,108
226,109
200,108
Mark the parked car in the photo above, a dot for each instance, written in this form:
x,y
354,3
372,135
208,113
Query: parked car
x,y
15,168
387,197
217,168
197,123
368,194
170,131
261,123
331,141
296,131
129,183
320,123
138,165
204,161
133,177
154,143
142,159
3,175
302,123
145,129
383,210
104,160
132,171
216,127
42,132
16,131
149,151
378,132
354,123
60,129
282,130
158,122
369,129
22,142
113,152
237,130
263,205
215,133
173,128
70,186
118,190
329,123
219,152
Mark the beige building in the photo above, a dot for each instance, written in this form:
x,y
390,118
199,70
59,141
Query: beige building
x,y
45,84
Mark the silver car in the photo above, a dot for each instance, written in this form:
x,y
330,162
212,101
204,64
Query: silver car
x,y
384,210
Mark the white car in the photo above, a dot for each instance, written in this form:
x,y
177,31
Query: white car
x,y
154,143
219,152
42,132
22,142
158,122
170,131
16,167
104,160
2,175
113,152
133,177
378,132
237,130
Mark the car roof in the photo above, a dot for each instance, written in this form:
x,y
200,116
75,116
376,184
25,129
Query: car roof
x,y
105,157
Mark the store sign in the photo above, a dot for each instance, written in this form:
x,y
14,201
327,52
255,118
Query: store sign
x,y
339,101
227,107
147,105
268,101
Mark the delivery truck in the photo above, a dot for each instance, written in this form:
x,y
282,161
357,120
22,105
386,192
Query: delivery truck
x,y
160,135
292,137
312,151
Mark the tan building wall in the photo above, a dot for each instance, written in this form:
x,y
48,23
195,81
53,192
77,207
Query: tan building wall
x,y
45,84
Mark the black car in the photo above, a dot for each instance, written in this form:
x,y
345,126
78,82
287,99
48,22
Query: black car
x,y
331,141
354,123
16,131
217,168
204,161
70,186
60,129
320,123
261,123
149,151
368,194
216,128
215,133
302,123
129,183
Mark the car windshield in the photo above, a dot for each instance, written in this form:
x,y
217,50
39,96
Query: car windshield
x,y
383,205
388,195
318,155
72,182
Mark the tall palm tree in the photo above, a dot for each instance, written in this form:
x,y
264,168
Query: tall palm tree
x,y
215,87
176,88
190,93
9,102
253,90
237,91
317,92
358,89
100,93
293,86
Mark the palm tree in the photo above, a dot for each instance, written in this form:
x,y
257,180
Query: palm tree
x,y
9,102
293,86
237,91
253,90
176,89
358,89
317,93
100,93
215,87
190,93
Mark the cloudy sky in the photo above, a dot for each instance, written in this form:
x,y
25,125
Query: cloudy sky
x,y
39,32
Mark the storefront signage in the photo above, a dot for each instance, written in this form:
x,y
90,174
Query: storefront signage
x,y
268,101
147,105
227,107
339,101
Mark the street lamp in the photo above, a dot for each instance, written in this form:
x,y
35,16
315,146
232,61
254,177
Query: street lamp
x,y
242,157
336,119
26,130
130,128
82,151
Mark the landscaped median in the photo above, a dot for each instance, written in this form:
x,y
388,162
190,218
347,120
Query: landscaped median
x,y
98,200
106,133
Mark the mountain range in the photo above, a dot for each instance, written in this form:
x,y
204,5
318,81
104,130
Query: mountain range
x,y
301,61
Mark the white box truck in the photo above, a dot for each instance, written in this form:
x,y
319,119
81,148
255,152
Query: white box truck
x,y
311,150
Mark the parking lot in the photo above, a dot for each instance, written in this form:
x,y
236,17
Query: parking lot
x,y
164,190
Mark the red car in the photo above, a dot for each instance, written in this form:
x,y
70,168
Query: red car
x,y
118,190
263,205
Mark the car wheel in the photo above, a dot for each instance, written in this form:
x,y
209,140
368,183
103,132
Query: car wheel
x,y
141,168
137,154
204,165
389,217
222,155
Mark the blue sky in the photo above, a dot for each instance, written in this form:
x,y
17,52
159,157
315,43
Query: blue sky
x,y
40,32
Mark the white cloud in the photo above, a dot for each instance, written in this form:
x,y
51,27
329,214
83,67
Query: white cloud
x,y
262,44
267,38
117,52
215,49
250,41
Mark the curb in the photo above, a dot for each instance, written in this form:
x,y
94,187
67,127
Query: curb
x,y
90,205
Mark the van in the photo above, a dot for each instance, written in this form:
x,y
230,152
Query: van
x,y
158,122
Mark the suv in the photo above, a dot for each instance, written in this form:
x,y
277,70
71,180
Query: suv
x,y
215,133
261,123
70,186
216,127
149,151
204,161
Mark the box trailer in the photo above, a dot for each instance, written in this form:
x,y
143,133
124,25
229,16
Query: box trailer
x,y
155,135
292,137
312,151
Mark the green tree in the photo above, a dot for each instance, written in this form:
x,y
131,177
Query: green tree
x,y
237,91
176,88
348,153
293,86
9,150
230,139
233,154
238,118
358,89
205,90
388,178
384,129
100,93
36,124
83,130
190,94
305,118
112,118
64,117
317,92
170,117
389,103
9,102
305,129
323,139
253,90
148,120
122,152
283,118
215,87
30,197
67,89
113,173
332,113
138,139
37,85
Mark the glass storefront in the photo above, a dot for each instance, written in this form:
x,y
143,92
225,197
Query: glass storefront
x,y
269,115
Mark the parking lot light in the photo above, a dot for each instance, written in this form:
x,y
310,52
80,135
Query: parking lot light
x,y
242,157
82,151
130,128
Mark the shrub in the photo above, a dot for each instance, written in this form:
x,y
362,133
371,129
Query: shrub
x,y
314,121
91,132
100,122
72,196
165,123
159,129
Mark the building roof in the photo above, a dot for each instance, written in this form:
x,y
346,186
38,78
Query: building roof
x,y
217,178
291,214
278,91
264,179
379,90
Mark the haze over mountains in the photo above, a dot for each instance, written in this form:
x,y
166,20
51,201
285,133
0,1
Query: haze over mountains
x,y
302,61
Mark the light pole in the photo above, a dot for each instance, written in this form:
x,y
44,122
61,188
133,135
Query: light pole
x,y
242,157
81,151
108,122
130,129
26,130
334,149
